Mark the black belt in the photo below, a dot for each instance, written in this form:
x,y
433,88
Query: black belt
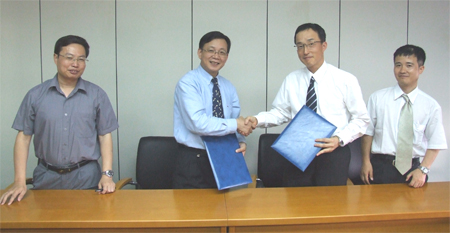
x,y
390,158
64,169
196,151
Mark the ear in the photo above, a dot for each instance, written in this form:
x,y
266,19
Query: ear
x,y
421,69
199,53
324,46
55,58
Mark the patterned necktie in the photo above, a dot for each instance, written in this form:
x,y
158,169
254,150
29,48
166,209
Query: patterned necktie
x,y
403,158
311,99
217,100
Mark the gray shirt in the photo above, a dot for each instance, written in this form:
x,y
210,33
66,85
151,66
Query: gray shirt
x,y
66,129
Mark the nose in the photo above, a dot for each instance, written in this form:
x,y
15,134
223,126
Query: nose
x,y
216,54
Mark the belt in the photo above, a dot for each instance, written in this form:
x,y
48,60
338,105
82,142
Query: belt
x,y
191,148
64,169
390,158
196,151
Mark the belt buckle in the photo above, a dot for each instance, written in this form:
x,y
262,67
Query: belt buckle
x,y
61,171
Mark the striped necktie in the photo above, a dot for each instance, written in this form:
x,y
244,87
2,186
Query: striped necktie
x,y
311,99
216,99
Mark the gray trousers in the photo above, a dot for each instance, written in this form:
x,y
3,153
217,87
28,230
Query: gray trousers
x,y
86,177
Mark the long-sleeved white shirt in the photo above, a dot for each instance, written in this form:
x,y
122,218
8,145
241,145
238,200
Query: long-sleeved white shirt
x,y
339,101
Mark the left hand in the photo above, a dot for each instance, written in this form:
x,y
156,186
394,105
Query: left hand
x,y
242,148
107,185
418,178
327,144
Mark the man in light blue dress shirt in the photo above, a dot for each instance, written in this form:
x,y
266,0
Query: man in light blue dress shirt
x,y
193,114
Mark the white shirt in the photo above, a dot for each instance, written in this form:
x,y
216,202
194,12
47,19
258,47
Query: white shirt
x,y
384,108
339,101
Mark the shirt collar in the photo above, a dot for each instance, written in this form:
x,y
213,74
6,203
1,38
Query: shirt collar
x,y
206,77
320,73
412,95
81,84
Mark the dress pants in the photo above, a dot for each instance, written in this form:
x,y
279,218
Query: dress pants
x,y
328,169
85,177
193,170
384,172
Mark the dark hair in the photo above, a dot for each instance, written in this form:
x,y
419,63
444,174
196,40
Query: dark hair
x,y
71,39
208,37
408,50
313,26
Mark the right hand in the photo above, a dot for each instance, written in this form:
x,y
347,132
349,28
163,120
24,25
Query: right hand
x,y
366,173
252,120
242,128
16,191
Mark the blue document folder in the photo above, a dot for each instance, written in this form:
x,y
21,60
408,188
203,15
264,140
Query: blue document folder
x,y
296,142
229,167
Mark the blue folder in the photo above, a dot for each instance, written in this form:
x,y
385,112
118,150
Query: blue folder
x,y
296,142
229,167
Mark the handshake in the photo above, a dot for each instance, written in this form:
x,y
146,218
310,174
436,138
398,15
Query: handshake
x,y
245,126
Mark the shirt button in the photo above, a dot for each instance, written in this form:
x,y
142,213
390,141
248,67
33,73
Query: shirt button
x,y
65,114
65,129
198,156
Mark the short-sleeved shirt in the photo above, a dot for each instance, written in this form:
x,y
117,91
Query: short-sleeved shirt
x,y
66,130
384,109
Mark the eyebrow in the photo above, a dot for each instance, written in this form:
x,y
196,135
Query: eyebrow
x,y
69,54
308,40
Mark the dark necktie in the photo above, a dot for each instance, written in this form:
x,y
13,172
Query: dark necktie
x,y
217,100
311,99
403,157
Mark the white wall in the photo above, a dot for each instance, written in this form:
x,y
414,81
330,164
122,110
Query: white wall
x,y
139,50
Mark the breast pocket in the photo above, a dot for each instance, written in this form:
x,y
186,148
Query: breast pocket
x,y
85,127
419,131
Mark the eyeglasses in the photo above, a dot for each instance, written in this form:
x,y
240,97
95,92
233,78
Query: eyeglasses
x,y
300,46
212,52
70,58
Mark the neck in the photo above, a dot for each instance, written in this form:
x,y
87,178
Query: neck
x,y
67,86
408,89
315,69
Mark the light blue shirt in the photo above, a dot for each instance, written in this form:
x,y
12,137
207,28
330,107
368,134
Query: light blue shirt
x,y
192,111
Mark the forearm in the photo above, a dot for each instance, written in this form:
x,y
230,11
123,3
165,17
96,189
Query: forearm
x,y
366,145
430,156
106,150
21,151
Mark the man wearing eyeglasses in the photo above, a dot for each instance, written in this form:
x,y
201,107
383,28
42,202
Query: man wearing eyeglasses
x,y
196,115
71,120
334,94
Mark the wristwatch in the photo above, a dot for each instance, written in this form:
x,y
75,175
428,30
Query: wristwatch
x,y
424,170
108,173
341,142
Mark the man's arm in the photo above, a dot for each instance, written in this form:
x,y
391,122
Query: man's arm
x,y
106,149
418,178
366,173
19,188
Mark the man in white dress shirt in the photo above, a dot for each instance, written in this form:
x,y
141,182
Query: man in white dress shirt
x,y
339,100
384,108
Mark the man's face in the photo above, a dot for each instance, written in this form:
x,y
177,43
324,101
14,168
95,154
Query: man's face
x,y
213,56
407,71
70,61
311,56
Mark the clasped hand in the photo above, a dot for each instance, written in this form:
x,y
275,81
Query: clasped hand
x,y
246,126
